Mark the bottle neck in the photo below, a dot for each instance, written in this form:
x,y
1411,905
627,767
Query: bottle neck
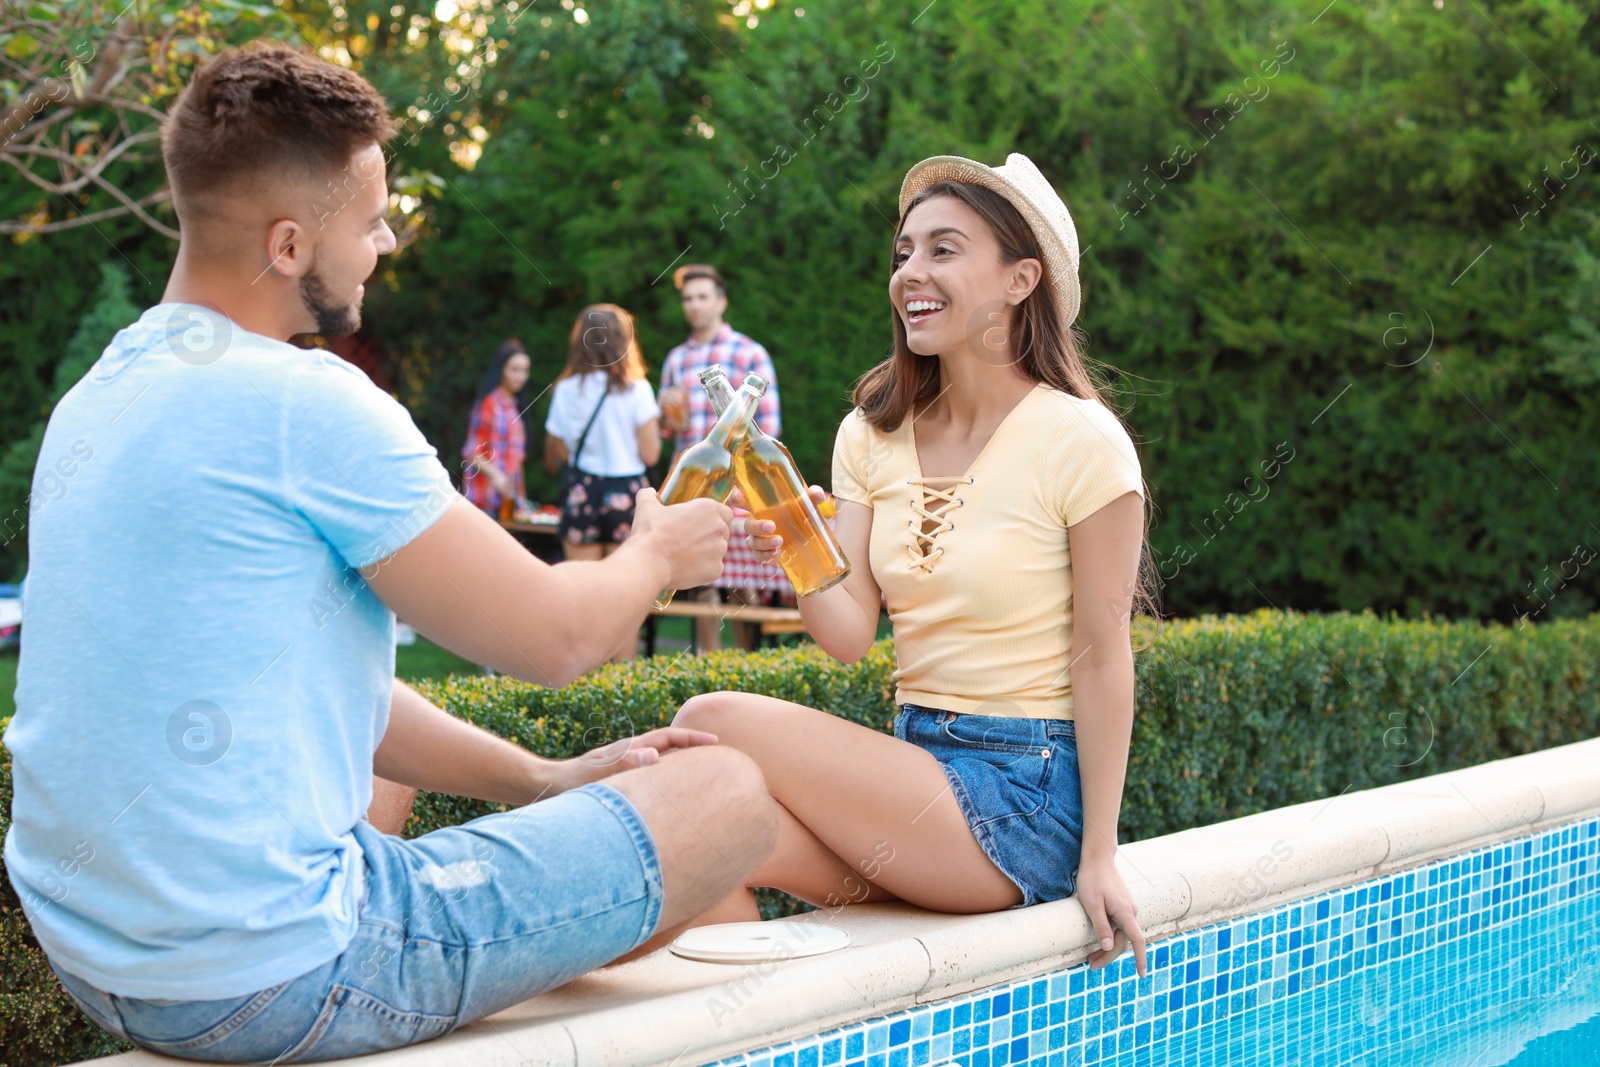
x,y
735,419
721,393
719,390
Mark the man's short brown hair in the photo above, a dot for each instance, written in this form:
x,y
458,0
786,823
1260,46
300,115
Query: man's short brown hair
x,y
267,110
690,271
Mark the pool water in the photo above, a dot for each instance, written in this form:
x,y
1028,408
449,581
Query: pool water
x,y
1487,958
1569,1048
1509,985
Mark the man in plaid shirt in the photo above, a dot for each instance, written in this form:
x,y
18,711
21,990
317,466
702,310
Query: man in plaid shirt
x,y
687,415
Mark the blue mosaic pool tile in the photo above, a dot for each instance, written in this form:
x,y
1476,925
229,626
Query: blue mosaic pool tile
x,y
1261,989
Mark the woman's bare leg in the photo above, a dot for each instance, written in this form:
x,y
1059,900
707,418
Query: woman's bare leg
x,y
864,816
802,866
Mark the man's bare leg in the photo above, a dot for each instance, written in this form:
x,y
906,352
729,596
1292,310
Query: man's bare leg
x,y
708,812
391,805
713,822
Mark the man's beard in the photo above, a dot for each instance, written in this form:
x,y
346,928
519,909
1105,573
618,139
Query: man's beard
x,y
333,319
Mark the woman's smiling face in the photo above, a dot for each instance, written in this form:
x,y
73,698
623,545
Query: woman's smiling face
x,y
949,284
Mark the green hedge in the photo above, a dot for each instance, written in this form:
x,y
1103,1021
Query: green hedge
x,y
1236,714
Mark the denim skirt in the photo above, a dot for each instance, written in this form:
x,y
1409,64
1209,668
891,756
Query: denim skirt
x,y
1018,786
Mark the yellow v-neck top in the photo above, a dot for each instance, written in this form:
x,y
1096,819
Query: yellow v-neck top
x,y
975,567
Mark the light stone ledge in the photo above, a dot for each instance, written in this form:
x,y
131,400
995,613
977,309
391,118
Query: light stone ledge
x,y
662,1011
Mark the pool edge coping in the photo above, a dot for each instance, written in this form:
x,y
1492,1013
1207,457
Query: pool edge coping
x,y
644,1013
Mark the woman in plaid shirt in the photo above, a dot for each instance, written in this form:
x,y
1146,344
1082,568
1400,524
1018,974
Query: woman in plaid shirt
x,y
496,439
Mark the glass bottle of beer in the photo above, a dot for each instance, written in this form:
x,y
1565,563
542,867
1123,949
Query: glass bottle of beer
x,y
705,469
775,492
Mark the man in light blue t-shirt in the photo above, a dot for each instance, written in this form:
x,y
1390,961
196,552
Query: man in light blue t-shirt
x,y
207,687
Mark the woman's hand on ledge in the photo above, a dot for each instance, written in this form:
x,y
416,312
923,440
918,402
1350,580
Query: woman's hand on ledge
x,y
1110,907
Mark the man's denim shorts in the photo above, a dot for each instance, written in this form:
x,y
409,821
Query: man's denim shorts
x,y
1017,783
454,925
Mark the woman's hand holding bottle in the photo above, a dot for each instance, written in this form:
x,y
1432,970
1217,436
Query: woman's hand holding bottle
x,y
842,619
762,536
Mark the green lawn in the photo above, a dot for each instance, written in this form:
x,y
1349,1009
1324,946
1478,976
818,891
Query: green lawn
x,y
424,659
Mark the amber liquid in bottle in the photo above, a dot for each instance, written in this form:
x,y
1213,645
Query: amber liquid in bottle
x,y
775,492
705,469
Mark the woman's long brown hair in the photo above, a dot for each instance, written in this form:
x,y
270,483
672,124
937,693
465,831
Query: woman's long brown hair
x,y
905,382
603,339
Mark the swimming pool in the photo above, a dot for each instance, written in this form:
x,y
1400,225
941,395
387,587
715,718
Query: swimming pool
x,y
1448,919
1489,957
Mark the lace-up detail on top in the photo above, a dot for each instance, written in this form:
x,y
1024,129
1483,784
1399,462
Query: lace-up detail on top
x,y
931,508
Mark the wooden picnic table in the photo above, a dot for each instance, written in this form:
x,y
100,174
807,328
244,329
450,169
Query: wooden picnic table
x,y
774,621
518,526
540,538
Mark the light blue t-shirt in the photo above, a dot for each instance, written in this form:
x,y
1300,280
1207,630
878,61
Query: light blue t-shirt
x,y
204,673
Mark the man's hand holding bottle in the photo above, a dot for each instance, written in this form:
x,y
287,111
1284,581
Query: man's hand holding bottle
x,y
692,537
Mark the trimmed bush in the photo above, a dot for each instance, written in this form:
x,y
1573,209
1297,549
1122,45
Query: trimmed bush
x,y
623,699
39,1023
1236,714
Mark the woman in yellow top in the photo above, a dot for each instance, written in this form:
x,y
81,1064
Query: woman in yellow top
x,y
986,491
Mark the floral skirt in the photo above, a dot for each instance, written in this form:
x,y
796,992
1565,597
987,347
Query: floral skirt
x,y
599,511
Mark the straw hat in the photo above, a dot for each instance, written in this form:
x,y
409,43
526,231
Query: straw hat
x,y
1020,182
